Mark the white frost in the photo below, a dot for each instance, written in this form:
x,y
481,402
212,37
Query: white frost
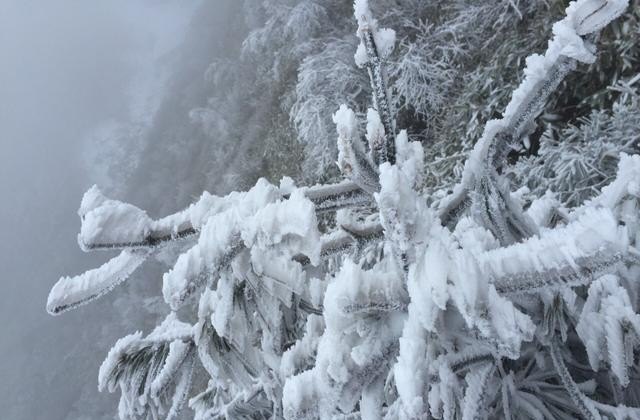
x,y
71,292
110,222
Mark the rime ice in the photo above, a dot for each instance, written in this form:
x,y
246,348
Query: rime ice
x,y
481,303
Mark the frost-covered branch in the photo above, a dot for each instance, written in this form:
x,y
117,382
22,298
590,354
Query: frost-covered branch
x,y
542,76
346,238
70,292
102,218
572,255
103,227
408,303
585,405
473,406
376,45
154,373
332,197
352,160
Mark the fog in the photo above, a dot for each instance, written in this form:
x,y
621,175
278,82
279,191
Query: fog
x,y
68,69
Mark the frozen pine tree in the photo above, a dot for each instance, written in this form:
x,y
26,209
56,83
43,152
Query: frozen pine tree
x,y
390,294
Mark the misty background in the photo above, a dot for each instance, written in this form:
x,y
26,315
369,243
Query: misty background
x,y
91,93
158,100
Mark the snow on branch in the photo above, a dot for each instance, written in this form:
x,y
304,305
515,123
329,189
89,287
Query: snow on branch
x,y
348,237
609,327
477,389
70,292
332,197
108,224
153,373
626,184
103,219
585,405
111,224
400,306
375,46
257,221
352,160
571,255
542,75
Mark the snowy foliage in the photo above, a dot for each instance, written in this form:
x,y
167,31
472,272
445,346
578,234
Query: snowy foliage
x,y
468,302
577,161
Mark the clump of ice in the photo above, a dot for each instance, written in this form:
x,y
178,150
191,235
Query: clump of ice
x,y
384,38
107,222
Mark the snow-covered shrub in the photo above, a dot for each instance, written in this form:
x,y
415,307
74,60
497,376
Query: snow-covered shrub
x,y
407,304
577,161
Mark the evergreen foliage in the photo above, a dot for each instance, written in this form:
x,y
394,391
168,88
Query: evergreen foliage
x,y
414,283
